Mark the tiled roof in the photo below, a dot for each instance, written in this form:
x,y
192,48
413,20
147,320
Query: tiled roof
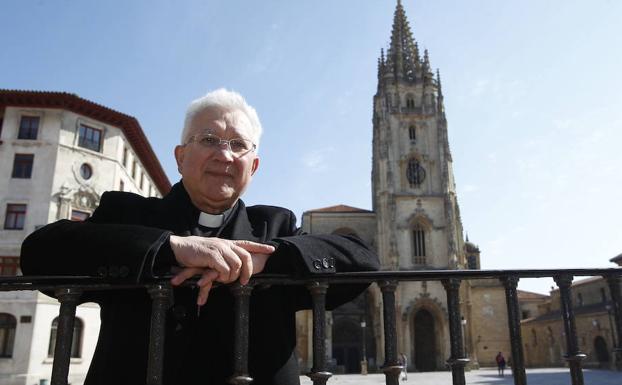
x,y
72,102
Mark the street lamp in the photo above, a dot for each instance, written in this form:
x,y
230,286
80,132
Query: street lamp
x,y
364,361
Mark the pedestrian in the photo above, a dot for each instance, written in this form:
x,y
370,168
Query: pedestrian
x,y
500,363
403,360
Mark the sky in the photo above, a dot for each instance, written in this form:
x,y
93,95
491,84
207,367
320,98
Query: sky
x,y
531,94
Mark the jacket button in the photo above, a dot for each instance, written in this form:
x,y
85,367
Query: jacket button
x,y
317,264
325,263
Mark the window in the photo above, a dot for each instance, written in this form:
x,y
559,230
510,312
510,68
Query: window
x,y
89,137
79,216
134,170
121,185
415,173
8,265
472,262
419,245
412,133
580,299
525,314
124,160
28,127
142,180
410,103
15,217
22,166
76,341
86,172
7,334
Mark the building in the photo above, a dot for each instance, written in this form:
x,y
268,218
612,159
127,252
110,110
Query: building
x,y
414,224
544,341
58,154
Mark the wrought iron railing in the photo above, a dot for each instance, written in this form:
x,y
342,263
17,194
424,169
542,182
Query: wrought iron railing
x,y
69,289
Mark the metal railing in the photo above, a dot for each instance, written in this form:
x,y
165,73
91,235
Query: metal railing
x,y
69,289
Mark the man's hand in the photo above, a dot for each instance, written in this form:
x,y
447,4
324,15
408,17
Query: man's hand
x,y
217,259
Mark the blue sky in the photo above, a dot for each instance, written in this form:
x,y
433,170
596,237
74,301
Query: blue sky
x,y
531,92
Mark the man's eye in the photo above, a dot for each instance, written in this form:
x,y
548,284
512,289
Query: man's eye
x,y
210,141
238,145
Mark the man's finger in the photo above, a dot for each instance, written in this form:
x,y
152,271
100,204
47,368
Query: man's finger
x,y
247,263
185,274
255,247
205,285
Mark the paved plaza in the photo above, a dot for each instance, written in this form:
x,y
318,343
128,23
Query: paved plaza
x,y
549,376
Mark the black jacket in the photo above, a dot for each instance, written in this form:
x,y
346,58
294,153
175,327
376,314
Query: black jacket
x,y
123,240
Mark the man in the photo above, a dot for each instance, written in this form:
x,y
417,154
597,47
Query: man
x,y
200,228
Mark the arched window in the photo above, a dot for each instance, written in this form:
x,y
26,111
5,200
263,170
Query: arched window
x,y
76,342
412,134
419,255
7,334
415,173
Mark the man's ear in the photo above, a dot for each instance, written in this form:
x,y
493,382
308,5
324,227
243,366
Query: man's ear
x,y
255,165
179,156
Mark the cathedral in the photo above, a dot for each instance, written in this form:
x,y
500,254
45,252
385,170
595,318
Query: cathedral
x,y
414,224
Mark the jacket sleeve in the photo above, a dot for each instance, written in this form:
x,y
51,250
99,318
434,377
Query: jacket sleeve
x,y
307,254
101,246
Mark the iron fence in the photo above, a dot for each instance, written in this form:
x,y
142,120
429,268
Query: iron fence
x,y
69,289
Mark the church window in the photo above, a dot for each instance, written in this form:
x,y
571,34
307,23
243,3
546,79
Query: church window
x,y
86,171
410,103
76,341
472,262
419,255
7,334
412,133
415,173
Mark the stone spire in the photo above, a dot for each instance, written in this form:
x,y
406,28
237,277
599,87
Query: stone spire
x,y
440,103
403,55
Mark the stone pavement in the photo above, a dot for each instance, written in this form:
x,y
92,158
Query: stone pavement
x,y
547,376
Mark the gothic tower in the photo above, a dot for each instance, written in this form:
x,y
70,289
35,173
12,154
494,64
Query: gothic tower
x,y
414,194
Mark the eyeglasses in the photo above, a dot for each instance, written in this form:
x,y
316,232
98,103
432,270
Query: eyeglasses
x,y
238,146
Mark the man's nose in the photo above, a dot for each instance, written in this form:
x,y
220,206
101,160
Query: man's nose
x,y
224,151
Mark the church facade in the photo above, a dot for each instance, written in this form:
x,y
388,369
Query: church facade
x,y
414,224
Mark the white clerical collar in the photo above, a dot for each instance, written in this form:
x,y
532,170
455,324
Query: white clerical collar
x,y
213,220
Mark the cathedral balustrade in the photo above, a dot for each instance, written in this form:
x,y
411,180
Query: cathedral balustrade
x,y
68,290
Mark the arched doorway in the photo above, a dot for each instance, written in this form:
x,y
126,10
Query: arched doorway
x,y
425,341
347,343
602,353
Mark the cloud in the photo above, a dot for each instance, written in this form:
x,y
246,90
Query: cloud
x,y
315,160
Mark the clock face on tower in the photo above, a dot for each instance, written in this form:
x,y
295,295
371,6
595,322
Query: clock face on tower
x,y
415,172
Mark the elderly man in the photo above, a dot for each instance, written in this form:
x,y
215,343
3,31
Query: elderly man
x,y
201,228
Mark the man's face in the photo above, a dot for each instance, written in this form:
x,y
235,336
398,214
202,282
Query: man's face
x,y
214,177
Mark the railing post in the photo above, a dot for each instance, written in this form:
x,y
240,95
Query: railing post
x,y
511,299
319,373
457,361
241,294
615,290
161,301
391,367
68,299
573,354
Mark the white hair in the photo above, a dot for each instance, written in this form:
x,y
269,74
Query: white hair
x,y
226,100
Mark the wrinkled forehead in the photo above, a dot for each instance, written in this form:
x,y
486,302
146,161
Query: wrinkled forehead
x,y
222,122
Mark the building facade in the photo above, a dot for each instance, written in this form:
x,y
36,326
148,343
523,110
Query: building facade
x,y
544,340
58,154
